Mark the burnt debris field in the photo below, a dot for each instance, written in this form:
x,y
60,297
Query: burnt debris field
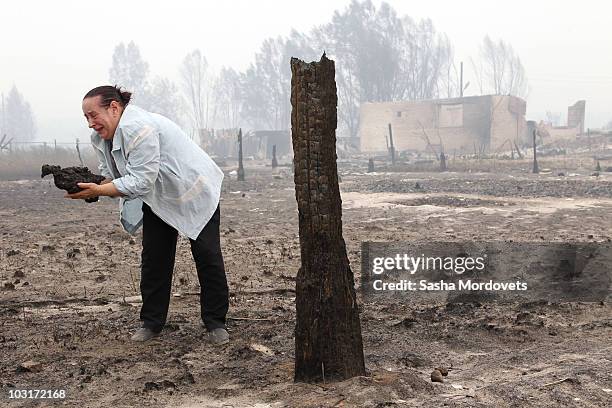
x,y
69,297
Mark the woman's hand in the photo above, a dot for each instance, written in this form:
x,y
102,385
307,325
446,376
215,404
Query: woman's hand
x,y
90,190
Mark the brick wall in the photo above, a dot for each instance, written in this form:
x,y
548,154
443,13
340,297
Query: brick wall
x,y
507,122
461,124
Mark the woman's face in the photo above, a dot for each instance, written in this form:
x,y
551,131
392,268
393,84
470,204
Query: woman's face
x,y
103,120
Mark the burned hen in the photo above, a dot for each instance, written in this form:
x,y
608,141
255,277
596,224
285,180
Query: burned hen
x,y
67,178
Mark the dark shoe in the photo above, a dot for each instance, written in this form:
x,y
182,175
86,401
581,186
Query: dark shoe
x,y
143,334
218,337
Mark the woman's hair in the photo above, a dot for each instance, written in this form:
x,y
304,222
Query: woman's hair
x,y
108,94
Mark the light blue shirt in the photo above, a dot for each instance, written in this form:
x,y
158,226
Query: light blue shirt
x,y
159,165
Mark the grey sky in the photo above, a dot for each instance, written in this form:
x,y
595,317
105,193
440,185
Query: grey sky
x,y
55,51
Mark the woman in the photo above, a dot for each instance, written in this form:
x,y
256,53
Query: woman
x,y
168,185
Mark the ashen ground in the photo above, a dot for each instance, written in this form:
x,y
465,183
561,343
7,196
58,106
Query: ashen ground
x,y
70,277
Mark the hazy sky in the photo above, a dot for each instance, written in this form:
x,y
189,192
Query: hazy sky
x,y
55,51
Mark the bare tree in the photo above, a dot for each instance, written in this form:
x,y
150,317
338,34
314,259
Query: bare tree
x,y
196,86
382,57
267,87
478,69
266,83
130,71
426,59
228,98
164,98
502,73
450,81
18,119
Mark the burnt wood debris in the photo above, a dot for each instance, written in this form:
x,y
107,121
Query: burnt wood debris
x,y
328,343
274,160
68,177
443,162
371,166
240,166
392,146
536,169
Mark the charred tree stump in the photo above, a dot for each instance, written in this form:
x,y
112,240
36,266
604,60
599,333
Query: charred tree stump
x,y
328,344
371,166
240,166
391,147
274,161
535,159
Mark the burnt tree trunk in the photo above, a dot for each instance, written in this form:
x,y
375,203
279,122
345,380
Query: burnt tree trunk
x,y
371,166
274,161
536,169
392,147
443,162
328,344
240,166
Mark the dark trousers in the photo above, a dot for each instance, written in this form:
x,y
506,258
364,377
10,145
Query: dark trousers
x,y
158,253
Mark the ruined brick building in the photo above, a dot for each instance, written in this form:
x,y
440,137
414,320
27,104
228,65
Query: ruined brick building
x,y
482,123
574,127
